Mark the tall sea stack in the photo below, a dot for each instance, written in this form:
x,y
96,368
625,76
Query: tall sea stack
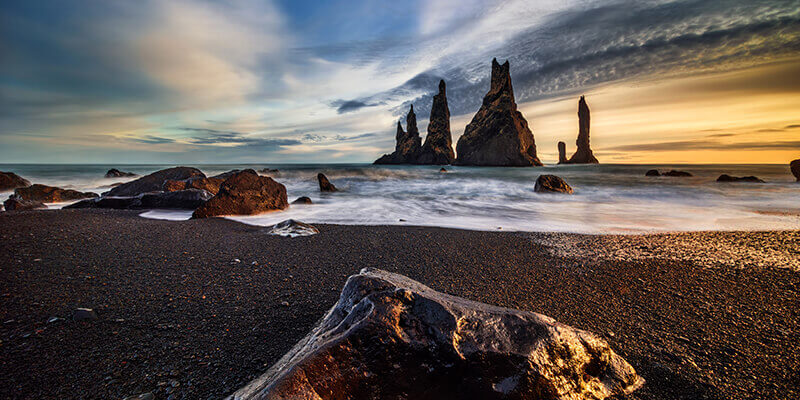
x,y
562,153
408,143
498,134
583,155
438,147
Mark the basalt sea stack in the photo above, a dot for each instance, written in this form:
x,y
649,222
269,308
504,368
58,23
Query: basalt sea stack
x,y
438,147
583,155
408,143
498,134
562,153
795,167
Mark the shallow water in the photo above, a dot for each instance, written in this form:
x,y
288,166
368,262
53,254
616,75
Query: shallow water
x,y
607,199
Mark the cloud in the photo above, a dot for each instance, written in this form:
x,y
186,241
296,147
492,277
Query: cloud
x,y
150,139
345,106
212,137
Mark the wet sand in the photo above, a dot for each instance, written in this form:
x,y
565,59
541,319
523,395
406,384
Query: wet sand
x,y
180,317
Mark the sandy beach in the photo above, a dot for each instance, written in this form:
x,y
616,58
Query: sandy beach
x,y
195,309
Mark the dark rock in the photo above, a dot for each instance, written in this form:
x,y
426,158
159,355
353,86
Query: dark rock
x,y
438,147
51,194
292,228
84,314
14,203
408,143
498,134
390,337
583,155
2,208
442,170
10,181
115,173
245,193
208,184
302,200
324,184
119,203
562,153
728,178
551,184
795,167
652,172
269,171
226,175
677,173
155,181
188,199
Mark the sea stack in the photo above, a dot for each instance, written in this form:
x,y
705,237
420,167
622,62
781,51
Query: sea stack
x,y
498,134
562,153
583,155
795,167
438,147
408,143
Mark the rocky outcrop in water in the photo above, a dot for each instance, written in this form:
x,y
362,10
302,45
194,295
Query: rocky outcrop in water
x,y
678,174
652,172
389,337
155,181
115,173
15,203
245,193
562,153
51,194
795,167
551,184
11,181
583,155
498,134
408,143
302,200
438,147
728,178
324,184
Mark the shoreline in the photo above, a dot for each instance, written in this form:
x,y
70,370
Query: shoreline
x,y
176,308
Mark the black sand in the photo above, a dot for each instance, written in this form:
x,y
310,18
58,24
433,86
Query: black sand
x,y
181,319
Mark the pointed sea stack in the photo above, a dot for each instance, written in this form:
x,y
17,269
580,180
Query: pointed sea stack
x,y
584,153
498,134
408,143
562,153
438,147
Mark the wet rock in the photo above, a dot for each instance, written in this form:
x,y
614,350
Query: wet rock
x,y
155,181
10,181
438,147
391,337
245,193
119,203
562,153
302,200
728,178
551,184
188,199
795,167
583,155
407,144
676,173
652,172
442,170
84,314
115,173
208,184
14,203
292,228
324,184
498,134
51,194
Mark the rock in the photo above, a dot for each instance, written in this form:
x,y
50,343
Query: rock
x,y
209,184
269,171
143,396
51,194
551,184
324,184
583,155
442,170
119,203
11,181
652,172
795,167
390,337
562,153
292,228
245,193
115,173
438,147
728,178
226,175
407,143
677,173
498,134
302,200
14,203
188,199
155,181
84,314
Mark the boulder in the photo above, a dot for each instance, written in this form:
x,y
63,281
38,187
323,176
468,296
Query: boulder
x,y
389,337
438,147
324,184
442,170
551,184
115,173
583,155
245,193
498,134
51,194
677,173
119,203
795,167
155,181
407,144
292,228
652,172
562,153
728,178
11,181
188,199
302,200
14,203
208,184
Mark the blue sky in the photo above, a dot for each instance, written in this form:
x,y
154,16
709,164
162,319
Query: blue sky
x,y
199,81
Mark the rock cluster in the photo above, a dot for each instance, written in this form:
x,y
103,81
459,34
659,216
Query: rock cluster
x,y
728,178
11,181
795,167
51,194
583,155
551,184
390,337
245,193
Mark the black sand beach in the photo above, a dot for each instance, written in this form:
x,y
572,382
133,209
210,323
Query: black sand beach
x,y
195,309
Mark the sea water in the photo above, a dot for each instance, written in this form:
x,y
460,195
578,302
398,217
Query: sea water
x,y
607,199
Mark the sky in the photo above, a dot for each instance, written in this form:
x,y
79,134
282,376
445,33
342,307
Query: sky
x,y
299,81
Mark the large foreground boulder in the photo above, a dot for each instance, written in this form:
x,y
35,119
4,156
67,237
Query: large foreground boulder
x,y
155,181
14,203
389,337
498,134
795,167
551,184
11,181
51,194
728,178
245,193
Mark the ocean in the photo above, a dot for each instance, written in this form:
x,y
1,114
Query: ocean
x,y
608,198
